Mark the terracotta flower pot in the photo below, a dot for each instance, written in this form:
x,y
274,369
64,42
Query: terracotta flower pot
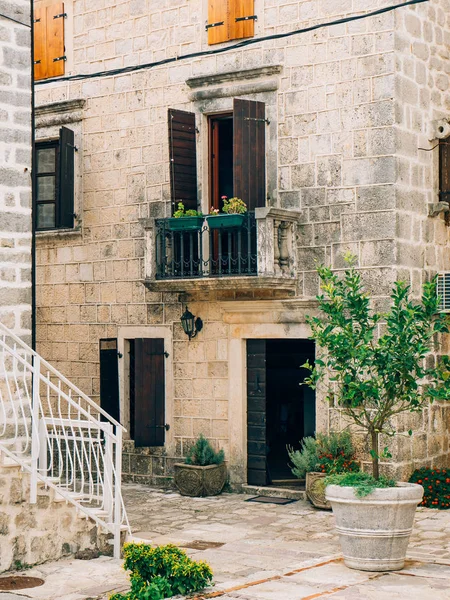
x,y
193,480
315,490
374,530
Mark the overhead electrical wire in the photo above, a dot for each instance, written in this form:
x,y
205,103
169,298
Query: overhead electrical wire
x,y
237,46
2,16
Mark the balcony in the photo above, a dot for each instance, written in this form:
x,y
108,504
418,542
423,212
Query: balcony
x,y
259,254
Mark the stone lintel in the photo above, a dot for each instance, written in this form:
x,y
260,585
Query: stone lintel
x,y
242,89
230,76
60,113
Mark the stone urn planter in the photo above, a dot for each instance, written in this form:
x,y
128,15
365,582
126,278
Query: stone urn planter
x,y
315,490
374,531
194,480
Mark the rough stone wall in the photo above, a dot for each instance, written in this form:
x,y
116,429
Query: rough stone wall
x,y
15,168
336,132
48,530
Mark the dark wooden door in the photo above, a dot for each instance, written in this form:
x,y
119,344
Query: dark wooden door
x,y
149,392
256,413
109,378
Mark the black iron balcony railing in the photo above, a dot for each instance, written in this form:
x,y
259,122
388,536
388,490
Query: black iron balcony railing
x,y
205,252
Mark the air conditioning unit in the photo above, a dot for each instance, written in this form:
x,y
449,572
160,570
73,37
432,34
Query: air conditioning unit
x,y
443,290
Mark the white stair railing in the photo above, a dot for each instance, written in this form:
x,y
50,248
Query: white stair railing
x,y
60,436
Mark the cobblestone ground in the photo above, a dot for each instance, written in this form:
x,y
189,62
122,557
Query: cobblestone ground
x,y
257,552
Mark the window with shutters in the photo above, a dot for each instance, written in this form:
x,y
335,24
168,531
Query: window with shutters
x,y
230,20
444,170
54,182
49,47
237,156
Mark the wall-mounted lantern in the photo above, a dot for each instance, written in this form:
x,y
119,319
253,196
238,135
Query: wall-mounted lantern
x,y
191,325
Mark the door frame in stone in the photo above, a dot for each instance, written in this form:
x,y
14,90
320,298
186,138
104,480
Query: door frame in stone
x,y
257,320
149,331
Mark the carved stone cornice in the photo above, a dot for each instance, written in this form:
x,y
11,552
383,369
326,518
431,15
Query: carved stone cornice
x,y
59,113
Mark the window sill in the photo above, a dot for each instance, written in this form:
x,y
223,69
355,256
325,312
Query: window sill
x,y
59,233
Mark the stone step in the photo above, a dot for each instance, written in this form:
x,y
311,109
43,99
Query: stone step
x,y
275,492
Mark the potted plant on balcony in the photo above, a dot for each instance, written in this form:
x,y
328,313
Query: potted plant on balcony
x,y
233,216
377,369
185,220
203,473
319,457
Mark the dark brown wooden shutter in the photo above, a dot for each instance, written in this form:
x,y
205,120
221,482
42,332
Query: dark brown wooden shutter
x,y
249,150
149,408
256,413
49,50
242,21
109,378
444,170
66,177
183,158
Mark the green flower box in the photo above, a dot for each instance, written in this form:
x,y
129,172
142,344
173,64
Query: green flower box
x,y
185,223
225,221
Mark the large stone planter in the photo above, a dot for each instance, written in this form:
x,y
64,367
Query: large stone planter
x,y
192,480
374,531
315,490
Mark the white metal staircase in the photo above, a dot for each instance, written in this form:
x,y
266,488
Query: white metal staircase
x,y
60,436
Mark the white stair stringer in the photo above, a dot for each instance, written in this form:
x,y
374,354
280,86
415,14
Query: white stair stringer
x,y
62,438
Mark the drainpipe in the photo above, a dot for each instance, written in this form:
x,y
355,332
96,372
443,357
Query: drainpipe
x,y
33,191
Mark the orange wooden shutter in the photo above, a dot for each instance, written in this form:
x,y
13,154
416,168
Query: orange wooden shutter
x,y
242,23
40,42
55,40
49,52
218,17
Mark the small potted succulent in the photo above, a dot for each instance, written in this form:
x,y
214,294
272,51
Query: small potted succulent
x,y
319,457
185,220
377,368
203,473
232,216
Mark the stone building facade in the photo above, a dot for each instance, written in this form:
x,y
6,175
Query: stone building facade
x,y
349,117
15,167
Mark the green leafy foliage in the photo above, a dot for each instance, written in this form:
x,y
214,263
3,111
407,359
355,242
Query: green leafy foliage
x,y
333,453
181,212
436,485
203,454
364,483
162,572
234,206
375,377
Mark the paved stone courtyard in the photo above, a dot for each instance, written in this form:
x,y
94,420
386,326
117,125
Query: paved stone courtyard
x,y
258,552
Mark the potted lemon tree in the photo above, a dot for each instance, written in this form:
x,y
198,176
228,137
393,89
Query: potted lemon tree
x,y
377,369
233,216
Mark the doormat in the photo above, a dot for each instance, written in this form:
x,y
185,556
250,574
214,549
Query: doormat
x,y
201,545
270,500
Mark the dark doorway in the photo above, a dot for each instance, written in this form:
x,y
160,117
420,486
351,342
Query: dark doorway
x,y
281,412
221,171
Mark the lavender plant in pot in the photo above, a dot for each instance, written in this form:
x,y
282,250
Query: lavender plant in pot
x,y
377,367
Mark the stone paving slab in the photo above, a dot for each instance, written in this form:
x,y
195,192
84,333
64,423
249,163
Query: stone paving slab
x,y
269,552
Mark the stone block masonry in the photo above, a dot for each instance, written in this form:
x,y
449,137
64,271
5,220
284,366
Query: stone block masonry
x,y
15,167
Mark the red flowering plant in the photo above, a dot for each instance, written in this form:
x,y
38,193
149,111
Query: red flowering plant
x,y
330,454
436,485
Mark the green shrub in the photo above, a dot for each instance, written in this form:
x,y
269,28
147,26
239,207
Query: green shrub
x,y
363,483
333,453
436,485
162,572
203,454
181,212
